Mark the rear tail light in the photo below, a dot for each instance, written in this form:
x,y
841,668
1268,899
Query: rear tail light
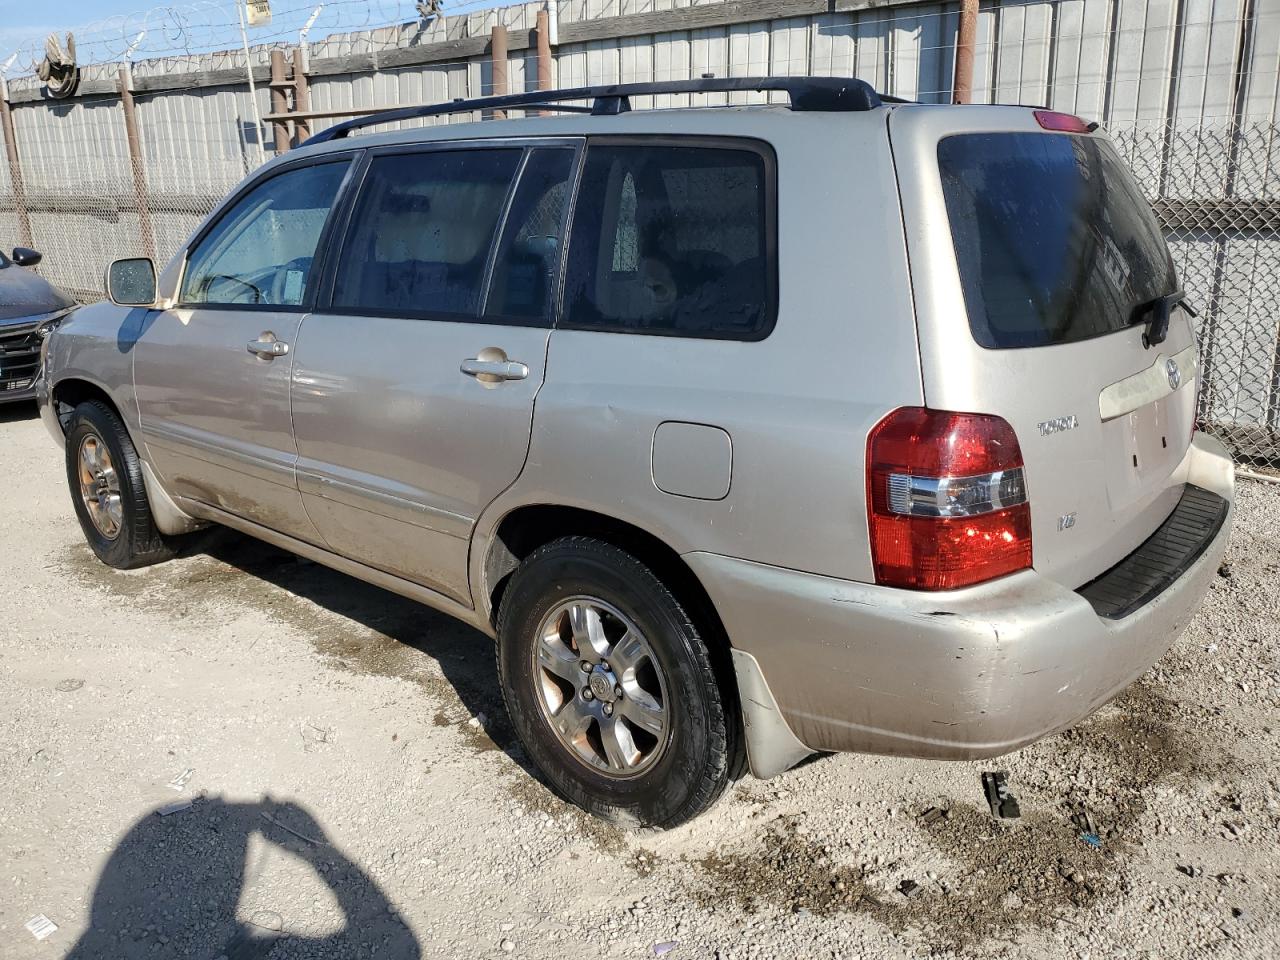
x,y
1060,122
947,499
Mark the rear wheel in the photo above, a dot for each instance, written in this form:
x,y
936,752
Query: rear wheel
x,y
610,686
107,490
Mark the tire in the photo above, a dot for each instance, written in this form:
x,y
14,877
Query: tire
x,y
134,541
668,778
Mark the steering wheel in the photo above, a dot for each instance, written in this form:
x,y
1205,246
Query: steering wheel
x,y
253,288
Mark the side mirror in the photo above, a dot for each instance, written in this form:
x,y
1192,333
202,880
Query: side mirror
x,y
132,282
26,257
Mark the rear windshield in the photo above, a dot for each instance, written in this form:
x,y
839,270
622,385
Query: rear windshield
x,y
1053,240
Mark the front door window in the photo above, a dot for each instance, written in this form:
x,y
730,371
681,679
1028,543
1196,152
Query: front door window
x,y
260,252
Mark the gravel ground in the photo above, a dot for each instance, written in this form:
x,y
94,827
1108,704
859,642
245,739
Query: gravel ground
x,y
357,792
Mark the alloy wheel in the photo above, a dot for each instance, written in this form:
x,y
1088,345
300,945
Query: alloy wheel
x,y
100,487
601,688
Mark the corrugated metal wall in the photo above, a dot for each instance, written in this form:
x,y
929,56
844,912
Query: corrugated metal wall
x,y
1187,87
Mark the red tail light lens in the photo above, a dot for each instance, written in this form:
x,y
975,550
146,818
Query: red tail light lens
x,y
946,499
1060,122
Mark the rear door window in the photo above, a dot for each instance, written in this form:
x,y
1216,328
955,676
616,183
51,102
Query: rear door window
x,y
422,231
1053,240
673,239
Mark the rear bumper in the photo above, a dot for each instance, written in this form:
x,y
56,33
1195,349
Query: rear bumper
x,y
955,675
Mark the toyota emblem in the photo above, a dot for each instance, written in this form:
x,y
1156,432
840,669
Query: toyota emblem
x,y
1175,375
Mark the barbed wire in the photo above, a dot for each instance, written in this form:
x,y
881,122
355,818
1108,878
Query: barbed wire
x,y
175,31
210,26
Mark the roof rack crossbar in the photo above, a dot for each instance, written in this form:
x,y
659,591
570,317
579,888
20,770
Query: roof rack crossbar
x,y
816,94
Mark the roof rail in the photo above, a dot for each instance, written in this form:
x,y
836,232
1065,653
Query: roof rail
x,y
819,94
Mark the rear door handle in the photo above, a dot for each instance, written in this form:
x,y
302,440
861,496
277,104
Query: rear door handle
x,y
492,371
266,348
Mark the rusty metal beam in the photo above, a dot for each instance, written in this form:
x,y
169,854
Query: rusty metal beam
x,y
966,37
498,65
301,97
545,63
15,173
137,164
279,102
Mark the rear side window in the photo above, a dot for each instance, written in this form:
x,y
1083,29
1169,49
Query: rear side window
x,y
675,240
525,269
421,233
1053,239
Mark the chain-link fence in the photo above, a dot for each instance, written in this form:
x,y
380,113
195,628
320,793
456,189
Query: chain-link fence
x,y
81,229
83,196
1215,189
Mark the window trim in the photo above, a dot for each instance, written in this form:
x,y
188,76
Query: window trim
x,y
324,303
351,157
765,151
557,280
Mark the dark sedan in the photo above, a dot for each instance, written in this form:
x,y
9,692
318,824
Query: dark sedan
x,y
30,308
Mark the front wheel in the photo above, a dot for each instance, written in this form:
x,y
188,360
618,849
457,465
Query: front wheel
x,y
107,490
610,686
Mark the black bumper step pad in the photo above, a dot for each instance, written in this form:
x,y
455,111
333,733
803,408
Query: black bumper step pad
x,y
1167,554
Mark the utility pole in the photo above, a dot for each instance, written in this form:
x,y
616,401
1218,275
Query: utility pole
x,y
253,90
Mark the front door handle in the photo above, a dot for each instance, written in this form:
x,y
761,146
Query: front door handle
x,y
494,371
267,347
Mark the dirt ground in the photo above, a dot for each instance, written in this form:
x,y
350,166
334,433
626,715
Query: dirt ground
x,y
358,793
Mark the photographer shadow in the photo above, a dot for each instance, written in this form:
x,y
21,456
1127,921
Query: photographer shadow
x,y
173,888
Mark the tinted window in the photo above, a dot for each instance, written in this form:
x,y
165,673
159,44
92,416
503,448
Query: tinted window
x,y
421,233
261,250
671,240
1053,239
525,269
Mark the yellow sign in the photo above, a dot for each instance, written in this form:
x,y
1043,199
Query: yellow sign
x,y
258,12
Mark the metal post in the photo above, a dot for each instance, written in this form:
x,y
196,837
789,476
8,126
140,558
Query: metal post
x,y
15,169
543,31
962,89
279,101
301,95
498,63
253,90
544,51
136,162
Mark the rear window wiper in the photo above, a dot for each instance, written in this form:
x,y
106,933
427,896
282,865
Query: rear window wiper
x,y
1160,310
